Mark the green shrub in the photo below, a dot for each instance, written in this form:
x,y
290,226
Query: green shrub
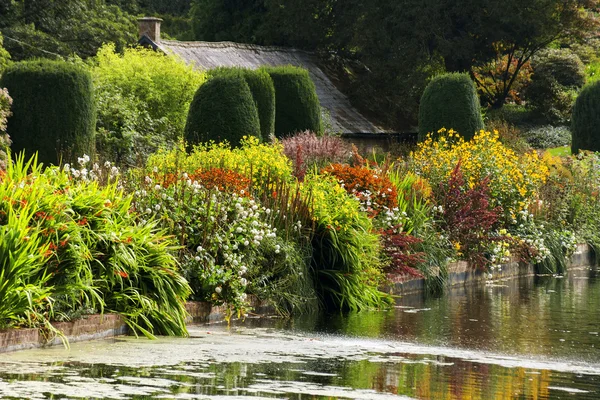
x,y
222,110
4,56
297,106
585,121
546,137
345,257
82,245
263,93
558,74
5,103
143,99
53,109
450,101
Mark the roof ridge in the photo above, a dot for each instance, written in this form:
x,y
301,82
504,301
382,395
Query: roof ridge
x,y
226,44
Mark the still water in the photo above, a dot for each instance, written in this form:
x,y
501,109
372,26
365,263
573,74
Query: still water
x,y
533,338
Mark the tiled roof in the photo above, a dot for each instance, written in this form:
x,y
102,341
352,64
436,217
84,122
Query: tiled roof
x,y
207,55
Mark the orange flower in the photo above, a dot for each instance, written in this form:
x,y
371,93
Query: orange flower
x,y
122,274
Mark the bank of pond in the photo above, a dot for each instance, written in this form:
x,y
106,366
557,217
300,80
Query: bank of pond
x,y
305,223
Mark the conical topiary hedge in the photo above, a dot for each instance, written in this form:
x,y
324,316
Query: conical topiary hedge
x,y
450,101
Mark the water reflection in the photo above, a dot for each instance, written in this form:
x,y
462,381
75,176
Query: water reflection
x,y
534,338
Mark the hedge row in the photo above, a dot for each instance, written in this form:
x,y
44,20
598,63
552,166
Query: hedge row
x,y
236,102
53,109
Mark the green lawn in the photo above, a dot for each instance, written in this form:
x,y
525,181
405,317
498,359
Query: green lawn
x,y
560,151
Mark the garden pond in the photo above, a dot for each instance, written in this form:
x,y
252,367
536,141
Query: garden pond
x,y
528,338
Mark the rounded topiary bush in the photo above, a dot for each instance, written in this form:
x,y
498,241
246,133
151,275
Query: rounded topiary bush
x,y
585,121
558,74
297,106
53,109
222,110
263,93
450,101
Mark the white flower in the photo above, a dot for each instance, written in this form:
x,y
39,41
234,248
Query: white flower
x,y
239,229
197,258
199,249
157,207
67,167
148,180
148,211
155,170
157,187
185,175
107,164
246,243
218,290
243,281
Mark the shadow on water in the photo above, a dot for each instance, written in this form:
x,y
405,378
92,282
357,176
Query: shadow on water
x,y
529,338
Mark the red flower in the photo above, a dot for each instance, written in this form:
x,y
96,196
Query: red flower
x,y
122,274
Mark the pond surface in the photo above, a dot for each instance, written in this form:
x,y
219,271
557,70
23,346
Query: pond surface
x,y
534,338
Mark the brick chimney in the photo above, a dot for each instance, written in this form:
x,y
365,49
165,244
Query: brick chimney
x,y
150,26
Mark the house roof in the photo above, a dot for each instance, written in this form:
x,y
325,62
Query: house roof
x,y
206,55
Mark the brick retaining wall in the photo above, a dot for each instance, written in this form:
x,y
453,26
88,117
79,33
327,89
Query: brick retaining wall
x,y
110,325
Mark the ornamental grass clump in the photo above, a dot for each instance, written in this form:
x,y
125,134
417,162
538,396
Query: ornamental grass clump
x,y
345,257
94,256
306,150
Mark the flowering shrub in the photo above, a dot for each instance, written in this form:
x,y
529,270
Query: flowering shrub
x,y
468,216
306,150
260,161
372,187
399,249
228,238
514,180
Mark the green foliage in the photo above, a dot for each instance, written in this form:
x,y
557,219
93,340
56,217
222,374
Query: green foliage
x,y
21,268
222,110
450,101
345,259
85,248
216,21
43,28
5,104
585,121
297,106
4,56
53,109
143,98
549,136
557,77
263,93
